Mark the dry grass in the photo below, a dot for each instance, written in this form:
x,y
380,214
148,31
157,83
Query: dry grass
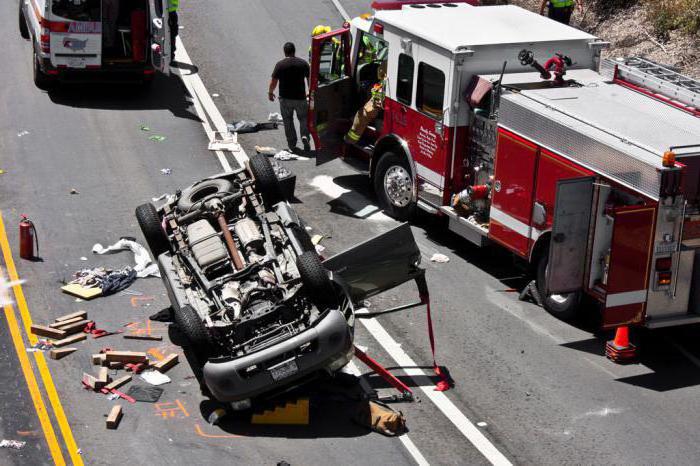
x,y
672,15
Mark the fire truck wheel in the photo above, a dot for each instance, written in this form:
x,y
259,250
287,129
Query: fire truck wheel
x,y
149,221
393,185
23,29
562,306
42,80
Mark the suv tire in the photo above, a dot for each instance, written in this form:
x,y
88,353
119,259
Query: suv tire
x,y
206,189
316,281
192,327
265,179
149,221
394,185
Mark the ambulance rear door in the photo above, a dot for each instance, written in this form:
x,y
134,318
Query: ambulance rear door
x,y
76,33
331,92
160,35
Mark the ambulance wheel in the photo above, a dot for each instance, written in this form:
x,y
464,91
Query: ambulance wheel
x,y
562,306
393,185
23,29
42,80
266,180
149,221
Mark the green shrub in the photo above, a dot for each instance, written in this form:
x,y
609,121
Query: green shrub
x,y
671,15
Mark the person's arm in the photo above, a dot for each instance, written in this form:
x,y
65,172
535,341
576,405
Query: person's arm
x,y
271,90
308,80
544,4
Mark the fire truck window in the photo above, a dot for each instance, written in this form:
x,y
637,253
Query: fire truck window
x,y
77,10
404,86
430,95
331,62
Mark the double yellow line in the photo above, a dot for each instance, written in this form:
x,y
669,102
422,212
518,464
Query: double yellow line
x,y
27,368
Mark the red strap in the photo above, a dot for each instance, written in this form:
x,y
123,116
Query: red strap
x,y
382,372
444,383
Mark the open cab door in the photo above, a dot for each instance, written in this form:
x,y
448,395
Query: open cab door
x,y
160,35
331,92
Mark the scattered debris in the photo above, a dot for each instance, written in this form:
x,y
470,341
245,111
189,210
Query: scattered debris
x,y
145,128
41,345
2,172
440,258
216,416
91,283
74,191
118,382
224,140
49,332
166,171
99,359
144,337
215,95
60,353
316,239
319,248
381,418
167,363
22,133
481,424
83,258
145,393
155,377
286,155
144,265
14,444
70,340
162,197
114,417
275,116
157,138
248,126
266,150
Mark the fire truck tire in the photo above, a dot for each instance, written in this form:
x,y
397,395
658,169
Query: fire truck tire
x,y
316,281
266,180
23,29
393,185
564,306
41,79
149,221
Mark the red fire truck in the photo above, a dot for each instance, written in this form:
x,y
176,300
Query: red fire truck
x,y
511,126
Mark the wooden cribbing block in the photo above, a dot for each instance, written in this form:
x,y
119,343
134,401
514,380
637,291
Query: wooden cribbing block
x,y
118,383
63,323
43,331
99,359
167,363
103,377
115,365
74,315
89,381
70,340
126,356
144,337
115,415
75,327
59,353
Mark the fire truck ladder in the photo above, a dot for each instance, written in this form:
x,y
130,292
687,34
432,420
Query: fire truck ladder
x,y
659,82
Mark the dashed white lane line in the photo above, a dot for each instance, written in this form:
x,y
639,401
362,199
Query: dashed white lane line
x,y
341,10
405,440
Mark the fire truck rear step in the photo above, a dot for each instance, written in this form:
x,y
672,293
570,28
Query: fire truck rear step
x,y
672,321
466,229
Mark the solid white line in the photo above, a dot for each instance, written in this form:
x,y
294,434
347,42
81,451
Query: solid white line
x,y
405,440
444,404
341,10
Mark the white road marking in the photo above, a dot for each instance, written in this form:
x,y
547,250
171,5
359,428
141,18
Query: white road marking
x,y
341,10
439,399
407,442
201,98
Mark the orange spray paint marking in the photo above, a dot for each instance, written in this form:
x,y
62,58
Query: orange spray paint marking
x,y
174,410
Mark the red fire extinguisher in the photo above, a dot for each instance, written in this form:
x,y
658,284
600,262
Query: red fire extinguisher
x,y
27,238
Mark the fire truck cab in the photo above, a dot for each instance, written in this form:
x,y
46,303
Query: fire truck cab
x,y
110,38
508,124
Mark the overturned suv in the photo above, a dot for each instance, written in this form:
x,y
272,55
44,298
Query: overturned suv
x,y
248,289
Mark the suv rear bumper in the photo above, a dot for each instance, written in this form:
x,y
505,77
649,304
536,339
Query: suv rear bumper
x,y
330,343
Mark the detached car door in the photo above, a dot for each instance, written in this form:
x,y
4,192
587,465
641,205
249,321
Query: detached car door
x,y
331,91
378,264
160,35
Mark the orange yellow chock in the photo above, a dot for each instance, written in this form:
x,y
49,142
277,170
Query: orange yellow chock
x,y
292,413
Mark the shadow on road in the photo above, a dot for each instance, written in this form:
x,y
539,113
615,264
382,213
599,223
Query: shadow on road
x,y
165,92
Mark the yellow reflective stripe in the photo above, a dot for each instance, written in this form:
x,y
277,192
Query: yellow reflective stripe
x,y
561,3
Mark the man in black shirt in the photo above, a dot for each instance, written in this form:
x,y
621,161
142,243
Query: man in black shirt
x,y
292,74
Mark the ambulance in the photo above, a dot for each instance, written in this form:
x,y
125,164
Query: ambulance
x,y
110,39
513,128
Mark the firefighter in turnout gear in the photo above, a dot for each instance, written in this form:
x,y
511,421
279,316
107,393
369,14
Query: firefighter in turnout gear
x,y
371,109
173,23
561,10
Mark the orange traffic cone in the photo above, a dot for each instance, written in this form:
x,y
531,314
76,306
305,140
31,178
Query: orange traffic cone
x,y
620,350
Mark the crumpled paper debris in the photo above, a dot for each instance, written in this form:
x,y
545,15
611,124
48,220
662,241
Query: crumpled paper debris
x,y
440,258
286,155
155,378
144,265
14,444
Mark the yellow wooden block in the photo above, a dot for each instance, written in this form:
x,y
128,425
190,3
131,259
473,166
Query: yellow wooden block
x,y
82,292
293,413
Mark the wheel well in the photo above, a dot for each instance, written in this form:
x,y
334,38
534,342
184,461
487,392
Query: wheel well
x,y
540,247
388,145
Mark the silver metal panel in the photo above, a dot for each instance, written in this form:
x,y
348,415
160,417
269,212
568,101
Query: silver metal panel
x,y
466,229
596,150
567,251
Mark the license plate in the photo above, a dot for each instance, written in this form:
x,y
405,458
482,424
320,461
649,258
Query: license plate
x,y
77,62
284,371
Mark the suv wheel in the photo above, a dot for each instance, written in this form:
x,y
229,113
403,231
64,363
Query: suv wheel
x,y
266,181
149,221
394,185
316,282
192,327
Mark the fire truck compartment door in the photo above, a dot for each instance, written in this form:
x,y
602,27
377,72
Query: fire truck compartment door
x,y
567,250
332,92
378,264
160,35
628,275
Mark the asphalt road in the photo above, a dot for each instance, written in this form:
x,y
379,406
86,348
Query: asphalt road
x,y
541,389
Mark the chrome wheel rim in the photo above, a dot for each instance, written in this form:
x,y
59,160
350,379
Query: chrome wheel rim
x,y
398,186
